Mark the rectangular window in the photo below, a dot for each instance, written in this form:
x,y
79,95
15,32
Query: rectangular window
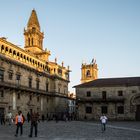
x,y
18,96
120,109
30,82
2,93
1,75
120,93
47,87
18,79
134,91
88,94
89,109
59,90
104,95
38,99
30,97
10,75
37,84
104,109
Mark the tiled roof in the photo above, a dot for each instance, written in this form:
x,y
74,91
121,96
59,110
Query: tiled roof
x,y
111,82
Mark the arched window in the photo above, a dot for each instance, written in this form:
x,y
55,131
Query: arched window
x,y
6,49
10,51
32,42
2,47
21,55
24,57
18,54
14,52
28,41
88,73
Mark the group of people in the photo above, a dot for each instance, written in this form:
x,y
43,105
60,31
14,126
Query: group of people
x,y
33,117
6,118
19,121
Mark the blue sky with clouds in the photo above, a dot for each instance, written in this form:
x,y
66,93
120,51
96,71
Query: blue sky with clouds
x,y
78,30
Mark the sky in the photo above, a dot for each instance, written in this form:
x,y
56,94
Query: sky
x,y
77,31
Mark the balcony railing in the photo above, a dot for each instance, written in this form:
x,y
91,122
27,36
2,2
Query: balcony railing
x,y
110,99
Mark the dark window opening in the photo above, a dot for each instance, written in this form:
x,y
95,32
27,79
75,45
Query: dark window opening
x,y
104,109
120,109
88,109
37,84
28,41
30,82
32,42
88,94
1,75
18,79
1,93
120,93
104,95
18,96
10,75
38,99
30,97
88,73
47,87
59,90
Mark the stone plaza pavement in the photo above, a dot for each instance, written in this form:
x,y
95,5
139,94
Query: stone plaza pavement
x,y
75,130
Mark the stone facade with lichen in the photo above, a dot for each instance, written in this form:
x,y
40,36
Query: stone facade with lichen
x,y
28,79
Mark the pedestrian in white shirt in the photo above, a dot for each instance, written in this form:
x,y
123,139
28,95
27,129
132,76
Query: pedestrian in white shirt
x,y
103,120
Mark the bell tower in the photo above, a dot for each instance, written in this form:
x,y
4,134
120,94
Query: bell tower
x,y
33,35
89,72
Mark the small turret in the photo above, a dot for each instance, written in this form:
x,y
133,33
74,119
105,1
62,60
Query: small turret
x,y
89,72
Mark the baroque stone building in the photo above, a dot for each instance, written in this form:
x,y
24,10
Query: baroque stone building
x,y
28,80
118,98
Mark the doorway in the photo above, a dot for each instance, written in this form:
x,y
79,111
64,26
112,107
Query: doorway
x,y
138,113
1,110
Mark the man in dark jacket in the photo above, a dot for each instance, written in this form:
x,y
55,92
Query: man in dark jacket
x,y
34,123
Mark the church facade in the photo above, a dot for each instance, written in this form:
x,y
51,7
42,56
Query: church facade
x,y
118,98
28,79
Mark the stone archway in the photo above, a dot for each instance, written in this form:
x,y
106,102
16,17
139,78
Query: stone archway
x,y
135,101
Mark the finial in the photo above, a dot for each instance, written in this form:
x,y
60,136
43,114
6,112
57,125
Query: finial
x,y
55,60
62,64
68,67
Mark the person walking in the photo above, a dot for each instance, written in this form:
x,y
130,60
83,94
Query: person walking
x,y
34,123
2,118
28,116
103,120
9,116
19,122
